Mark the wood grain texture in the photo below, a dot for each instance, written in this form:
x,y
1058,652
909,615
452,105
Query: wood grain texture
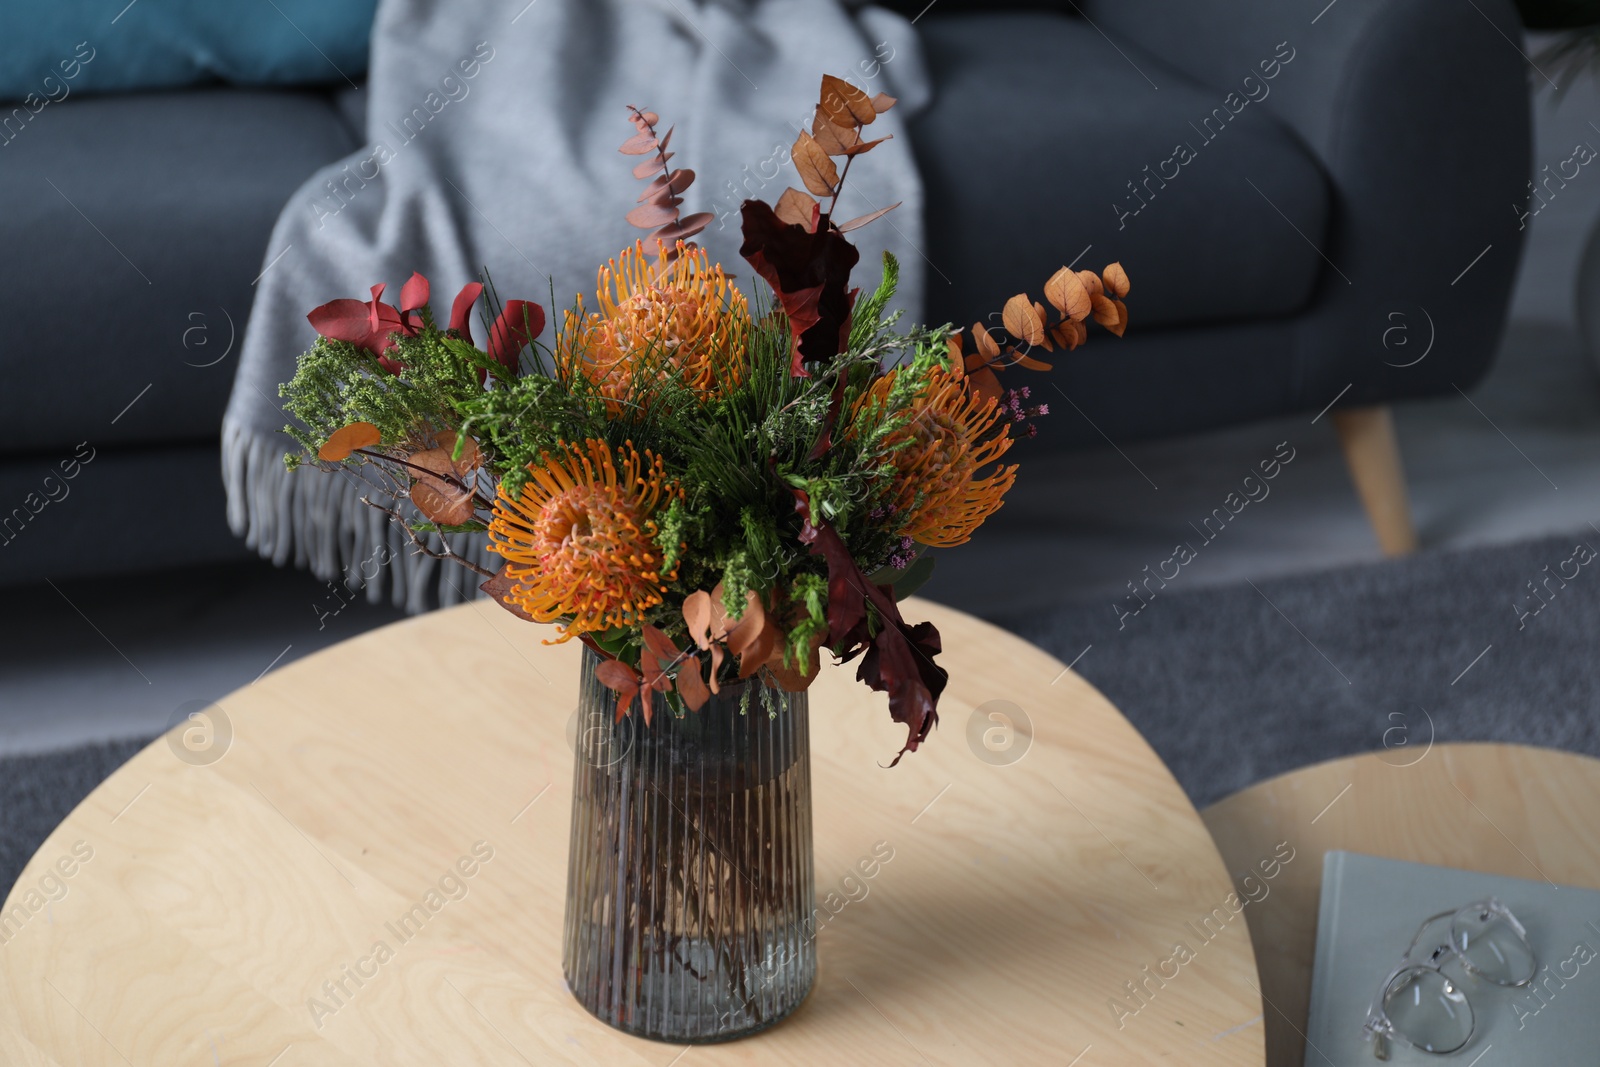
x,y
1373,455
219,899
1502,809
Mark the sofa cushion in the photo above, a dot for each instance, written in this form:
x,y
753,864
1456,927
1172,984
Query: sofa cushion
x,y
1046,142
50,51
136,226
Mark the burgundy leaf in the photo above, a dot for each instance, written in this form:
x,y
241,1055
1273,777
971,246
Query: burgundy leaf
x,y
809,272
898,658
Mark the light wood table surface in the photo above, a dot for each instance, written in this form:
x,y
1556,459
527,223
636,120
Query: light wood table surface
x,y
1501,809
209,903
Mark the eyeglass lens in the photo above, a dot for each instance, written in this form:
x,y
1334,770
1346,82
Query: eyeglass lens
x,y
1491,946
1428,1010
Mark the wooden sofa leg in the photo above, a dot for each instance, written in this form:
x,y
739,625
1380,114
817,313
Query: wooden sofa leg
x,y
1373,455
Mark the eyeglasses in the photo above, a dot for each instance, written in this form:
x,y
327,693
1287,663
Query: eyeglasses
x,y
1419,1005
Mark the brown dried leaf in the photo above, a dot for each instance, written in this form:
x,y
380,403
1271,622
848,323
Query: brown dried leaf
x,y
1071,334
861,220
471,457
641,143
760,651
499,590
816,169
844,104
1066,293
1116,280
883,102
697,616
797,208
659,644
987,348
1022,320
867,146
744,634
835,140
1105,311
984,384
1091,282
716,667
957,360
346,439
616,675
1029,362
437,489
1122,319
691,687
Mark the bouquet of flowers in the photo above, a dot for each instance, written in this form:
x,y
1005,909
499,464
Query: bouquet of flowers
x,y
698,482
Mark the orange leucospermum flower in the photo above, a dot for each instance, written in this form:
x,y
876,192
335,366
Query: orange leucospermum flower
x,y
938,455
677,316
580,539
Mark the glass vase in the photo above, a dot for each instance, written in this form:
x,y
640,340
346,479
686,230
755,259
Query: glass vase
x,y
690,885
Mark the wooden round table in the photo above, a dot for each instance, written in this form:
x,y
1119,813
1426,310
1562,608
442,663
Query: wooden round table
x,y
203,910
1501,809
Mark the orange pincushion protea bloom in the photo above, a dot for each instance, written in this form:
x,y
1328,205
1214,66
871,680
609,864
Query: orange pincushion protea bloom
x,y
678,316
580,540
938,454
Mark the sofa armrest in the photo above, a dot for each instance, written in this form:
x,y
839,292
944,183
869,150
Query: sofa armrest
x,y
1418,110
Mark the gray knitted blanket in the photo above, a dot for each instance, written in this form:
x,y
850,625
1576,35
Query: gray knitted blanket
x,y
493,131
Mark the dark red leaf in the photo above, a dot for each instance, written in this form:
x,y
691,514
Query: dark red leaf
x,y
898,658
810,273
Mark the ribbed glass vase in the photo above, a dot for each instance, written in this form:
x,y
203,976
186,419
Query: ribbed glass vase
x,y
690,882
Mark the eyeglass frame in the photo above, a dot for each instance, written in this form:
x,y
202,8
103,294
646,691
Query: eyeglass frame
x,y
1381,1030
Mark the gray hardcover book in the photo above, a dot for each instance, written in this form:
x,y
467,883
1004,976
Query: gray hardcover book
x,y
1370,910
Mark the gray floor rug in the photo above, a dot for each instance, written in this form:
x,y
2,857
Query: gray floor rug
x,y
1238,683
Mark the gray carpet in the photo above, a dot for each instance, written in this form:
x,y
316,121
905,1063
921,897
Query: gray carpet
x,y
1235,684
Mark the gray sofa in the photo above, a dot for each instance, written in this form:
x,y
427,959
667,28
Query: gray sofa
x,y
1364,166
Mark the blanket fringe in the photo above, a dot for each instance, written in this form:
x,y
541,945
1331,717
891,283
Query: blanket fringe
x,y
316,521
